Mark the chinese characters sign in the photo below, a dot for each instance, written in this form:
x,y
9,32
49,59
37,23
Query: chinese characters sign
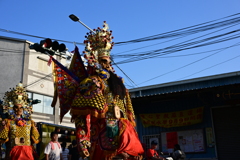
x,y
173,119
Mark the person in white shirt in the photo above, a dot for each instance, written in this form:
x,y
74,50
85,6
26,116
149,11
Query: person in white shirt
x,y
53,150
178,154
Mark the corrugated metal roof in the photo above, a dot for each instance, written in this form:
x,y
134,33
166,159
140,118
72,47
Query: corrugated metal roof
x,y
187,85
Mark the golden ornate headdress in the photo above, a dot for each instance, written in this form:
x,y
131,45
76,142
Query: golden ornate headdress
x,y
17,96
98,44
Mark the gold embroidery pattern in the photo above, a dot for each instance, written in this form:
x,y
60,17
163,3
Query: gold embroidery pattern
x,y
129,104
97,101
120,104
4,133
18,132
35,134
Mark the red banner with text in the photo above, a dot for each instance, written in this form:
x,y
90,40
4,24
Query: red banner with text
x,y
173,119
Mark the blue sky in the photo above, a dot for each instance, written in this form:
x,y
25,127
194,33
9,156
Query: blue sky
x,y
130,19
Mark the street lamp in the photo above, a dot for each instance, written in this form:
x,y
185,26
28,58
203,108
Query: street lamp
x,y
76,19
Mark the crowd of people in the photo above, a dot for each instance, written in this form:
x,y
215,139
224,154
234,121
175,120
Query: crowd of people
x,y
56,151
152,154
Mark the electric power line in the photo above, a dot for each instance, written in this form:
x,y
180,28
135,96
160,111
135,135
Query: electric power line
x,y
29,35
131,81
176,48
40,79
191,29
211,67
186,65
191,54
180,32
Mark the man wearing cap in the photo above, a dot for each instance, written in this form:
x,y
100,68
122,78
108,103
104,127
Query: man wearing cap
x,y
152,153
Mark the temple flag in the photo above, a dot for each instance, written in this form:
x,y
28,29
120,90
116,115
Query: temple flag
x,y
77,66
65,83
173,119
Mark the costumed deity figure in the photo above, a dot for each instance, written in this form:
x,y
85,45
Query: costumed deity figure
x,y
101,106
18,131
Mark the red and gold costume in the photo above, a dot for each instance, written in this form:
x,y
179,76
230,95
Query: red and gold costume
x,y
99,103
18,131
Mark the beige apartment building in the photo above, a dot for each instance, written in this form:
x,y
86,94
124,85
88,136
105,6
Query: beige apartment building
x,y
20,64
